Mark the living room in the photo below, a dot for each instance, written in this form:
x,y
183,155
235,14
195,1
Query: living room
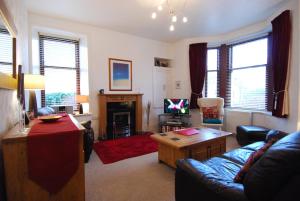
x,y
131,33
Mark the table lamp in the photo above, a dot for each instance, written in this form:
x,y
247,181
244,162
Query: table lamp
x,y
33,82
81,99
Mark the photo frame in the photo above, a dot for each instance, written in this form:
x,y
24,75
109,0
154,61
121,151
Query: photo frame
x,y
120,75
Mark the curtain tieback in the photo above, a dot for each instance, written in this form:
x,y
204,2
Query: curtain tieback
x,y
196,94
275,94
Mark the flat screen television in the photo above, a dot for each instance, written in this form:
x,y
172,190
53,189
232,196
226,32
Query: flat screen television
x,y
176,106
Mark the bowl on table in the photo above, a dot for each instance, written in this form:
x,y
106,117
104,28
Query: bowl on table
x,y
50,118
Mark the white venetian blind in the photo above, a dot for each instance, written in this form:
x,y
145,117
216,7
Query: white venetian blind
x,y
248,74
59,59
211,80
6,52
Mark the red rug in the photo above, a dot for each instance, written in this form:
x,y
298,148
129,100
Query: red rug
x,y
111,151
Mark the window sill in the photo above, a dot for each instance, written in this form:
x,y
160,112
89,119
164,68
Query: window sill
x,y
262,112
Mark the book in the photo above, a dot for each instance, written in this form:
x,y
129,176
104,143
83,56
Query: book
x,y
187,131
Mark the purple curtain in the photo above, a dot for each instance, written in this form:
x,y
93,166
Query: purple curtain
x,y
270,80
197,53
281,38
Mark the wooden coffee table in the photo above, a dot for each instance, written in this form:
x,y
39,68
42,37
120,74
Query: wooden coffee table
x,y
206,144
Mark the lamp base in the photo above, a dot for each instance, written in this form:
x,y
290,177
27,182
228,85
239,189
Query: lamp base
x,y
32,103
80,109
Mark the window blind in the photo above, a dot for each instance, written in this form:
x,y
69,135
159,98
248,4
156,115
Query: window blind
x,y
247,74
212,73
60,63
6,49
225,81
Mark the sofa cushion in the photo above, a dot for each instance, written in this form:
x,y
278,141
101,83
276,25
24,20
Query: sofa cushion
x,y
238,155
251,160
274,169
226,169
255,146
274,134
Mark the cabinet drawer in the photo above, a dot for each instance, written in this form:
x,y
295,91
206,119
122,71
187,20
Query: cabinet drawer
x,y
199,153
217,148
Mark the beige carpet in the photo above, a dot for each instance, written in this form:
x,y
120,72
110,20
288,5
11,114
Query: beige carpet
x,y
136,179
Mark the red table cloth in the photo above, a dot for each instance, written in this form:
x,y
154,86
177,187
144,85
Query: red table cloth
x,y
53,153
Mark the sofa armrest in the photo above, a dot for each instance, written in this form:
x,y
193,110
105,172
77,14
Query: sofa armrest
x,y
196,181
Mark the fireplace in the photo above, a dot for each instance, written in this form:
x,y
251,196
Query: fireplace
x,y
119,115
120,119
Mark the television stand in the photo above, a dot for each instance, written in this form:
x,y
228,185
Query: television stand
x,y
170,122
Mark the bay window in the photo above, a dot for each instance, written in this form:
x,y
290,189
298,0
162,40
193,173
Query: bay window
x,y
240,74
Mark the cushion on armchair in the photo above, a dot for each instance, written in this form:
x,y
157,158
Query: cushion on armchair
x,y
210,112
212,121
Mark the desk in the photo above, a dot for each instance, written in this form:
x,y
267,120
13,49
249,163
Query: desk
x,y
20,188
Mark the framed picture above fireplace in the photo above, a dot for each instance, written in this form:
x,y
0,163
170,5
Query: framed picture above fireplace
x,y
120,75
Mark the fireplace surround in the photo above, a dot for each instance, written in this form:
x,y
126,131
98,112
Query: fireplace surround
x,y
119,115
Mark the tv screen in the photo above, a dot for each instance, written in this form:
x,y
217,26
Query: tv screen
x,y
176,106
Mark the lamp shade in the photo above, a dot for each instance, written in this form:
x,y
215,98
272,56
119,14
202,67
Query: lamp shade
x,y
34,82
82,99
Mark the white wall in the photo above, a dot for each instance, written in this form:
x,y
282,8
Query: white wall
x,y
8,99
103,44
233,118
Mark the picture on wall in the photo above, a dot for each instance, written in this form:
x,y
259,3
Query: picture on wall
x,y
120,75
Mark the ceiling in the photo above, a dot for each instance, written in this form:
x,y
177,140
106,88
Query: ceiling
x,y
206,17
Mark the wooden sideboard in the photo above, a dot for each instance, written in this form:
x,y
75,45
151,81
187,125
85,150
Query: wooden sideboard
x,y
20,188
107,98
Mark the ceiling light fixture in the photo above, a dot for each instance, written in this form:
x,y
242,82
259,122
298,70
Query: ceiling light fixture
x,y
172,28
174,18
175,10
153,15
184,19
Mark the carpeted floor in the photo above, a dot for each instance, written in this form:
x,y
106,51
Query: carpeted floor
x,y
136,179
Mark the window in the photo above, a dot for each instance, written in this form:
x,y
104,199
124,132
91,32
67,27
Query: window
x,y
211,80
59,62
248,74
6,57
